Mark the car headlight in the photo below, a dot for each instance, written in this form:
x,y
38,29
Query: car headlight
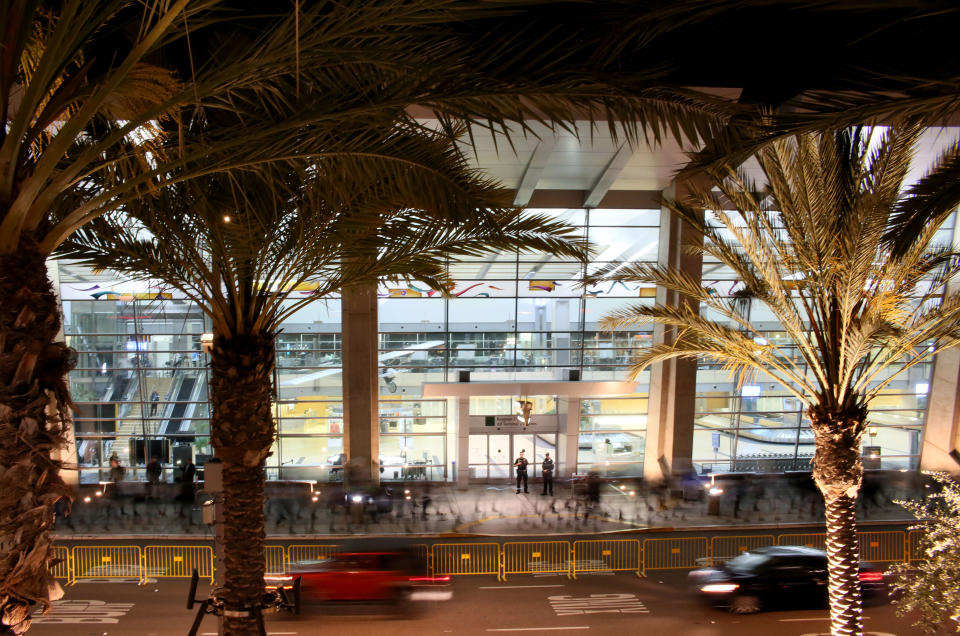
x,y
719,588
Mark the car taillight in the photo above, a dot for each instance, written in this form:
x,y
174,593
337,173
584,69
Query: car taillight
x,y
431,579
871,577
719,588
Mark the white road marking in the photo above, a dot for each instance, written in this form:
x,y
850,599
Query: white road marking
x,y
535,629
513,587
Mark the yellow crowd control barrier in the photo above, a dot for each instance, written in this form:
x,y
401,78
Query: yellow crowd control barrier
x,y
276,559
674,554
63,569
466,558
724,548
310,552
107,562
816,540
421,553
536,557
177,561
605,555
915,552
882,546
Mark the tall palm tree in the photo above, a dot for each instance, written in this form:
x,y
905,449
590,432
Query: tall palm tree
x,y
809,244
105,101
412,203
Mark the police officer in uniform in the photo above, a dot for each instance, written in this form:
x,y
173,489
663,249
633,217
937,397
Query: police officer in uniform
x,y
521,466
547,469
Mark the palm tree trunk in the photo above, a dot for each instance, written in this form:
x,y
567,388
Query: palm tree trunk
x,y
242,431
34,419
838,473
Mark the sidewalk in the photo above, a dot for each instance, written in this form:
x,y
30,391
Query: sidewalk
x,y
496,509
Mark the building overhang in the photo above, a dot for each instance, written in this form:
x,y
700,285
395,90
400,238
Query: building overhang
x,y
559,389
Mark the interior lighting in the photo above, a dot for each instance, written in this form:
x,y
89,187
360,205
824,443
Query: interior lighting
x,y
226,218
86,500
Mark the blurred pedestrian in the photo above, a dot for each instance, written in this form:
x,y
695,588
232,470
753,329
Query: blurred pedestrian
x,y
547,470
154,471
186,493
116,470
521,466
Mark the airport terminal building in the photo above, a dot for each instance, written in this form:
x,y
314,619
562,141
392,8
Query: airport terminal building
x,y
453,369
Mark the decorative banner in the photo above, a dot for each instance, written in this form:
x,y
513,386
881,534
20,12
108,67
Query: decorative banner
x,y
404,293
542,285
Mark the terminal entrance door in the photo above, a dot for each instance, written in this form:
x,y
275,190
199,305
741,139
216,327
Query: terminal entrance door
x,y
492,454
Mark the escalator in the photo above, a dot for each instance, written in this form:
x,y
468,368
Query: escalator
x,y
183,404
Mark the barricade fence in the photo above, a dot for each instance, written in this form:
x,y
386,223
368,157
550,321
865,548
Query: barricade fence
x,y
536,557
460,559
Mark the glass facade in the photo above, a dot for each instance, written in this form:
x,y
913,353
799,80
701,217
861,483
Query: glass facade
x,y
141,387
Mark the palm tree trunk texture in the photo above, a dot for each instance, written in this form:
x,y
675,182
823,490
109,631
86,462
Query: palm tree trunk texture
x,y
242,431
34,418
838,473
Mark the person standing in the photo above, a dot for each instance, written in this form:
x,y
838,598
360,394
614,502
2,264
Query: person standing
x,y
521,466
154,400
186,493
547,469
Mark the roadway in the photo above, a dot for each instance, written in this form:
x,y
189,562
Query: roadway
x,y
600,604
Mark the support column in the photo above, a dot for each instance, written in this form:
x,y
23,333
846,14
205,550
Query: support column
x,y
463,442
569,437
673,384
361,389
940,449
70,473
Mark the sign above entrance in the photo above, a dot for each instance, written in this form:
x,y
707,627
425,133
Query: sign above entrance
x,y
539,423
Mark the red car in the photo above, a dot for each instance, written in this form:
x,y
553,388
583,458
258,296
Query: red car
x,y
376,577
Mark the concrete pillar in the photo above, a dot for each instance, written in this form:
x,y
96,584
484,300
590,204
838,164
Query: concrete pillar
x,y
463,442
361,388
568,410
940,449
68,454
673,384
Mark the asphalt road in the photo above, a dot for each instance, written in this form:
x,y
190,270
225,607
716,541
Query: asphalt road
x,y
601,604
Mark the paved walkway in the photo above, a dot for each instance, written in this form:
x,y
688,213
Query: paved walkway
x,y
492,509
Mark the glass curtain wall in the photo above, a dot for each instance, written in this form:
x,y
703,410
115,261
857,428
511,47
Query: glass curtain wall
x,y
762,428
140,383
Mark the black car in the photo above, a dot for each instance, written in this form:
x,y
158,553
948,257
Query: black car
x,y
777,576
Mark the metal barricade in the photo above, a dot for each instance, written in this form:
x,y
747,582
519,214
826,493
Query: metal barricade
x,y
816,540
310,552
606,555
725,548
63,569
276,559
107,562
466,558
885,546
915,552
177,562
674,554
536,557
421,556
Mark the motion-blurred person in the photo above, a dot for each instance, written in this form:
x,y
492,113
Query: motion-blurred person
x,y
547,469
154,471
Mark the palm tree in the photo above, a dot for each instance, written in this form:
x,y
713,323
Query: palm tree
x,y
411,203
810,246
105,101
